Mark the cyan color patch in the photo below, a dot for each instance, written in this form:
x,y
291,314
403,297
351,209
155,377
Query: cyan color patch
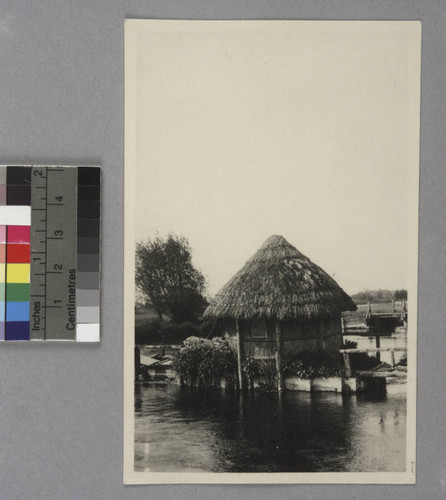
x,y
17,311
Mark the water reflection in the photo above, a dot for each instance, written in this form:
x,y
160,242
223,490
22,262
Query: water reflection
x,y
180,429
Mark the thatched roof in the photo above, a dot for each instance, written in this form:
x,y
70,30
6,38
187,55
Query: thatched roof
x,y
279,282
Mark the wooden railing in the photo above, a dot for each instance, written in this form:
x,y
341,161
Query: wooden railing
x,y
346,355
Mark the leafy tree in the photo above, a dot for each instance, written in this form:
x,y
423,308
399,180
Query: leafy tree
x,y
166,276
372,296
400,294
379,296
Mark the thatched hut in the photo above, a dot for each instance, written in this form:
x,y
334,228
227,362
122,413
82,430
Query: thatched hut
x,y
279,304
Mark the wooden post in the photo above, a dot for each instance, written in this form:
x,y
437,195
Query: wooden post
x,y
392,359
239,356
348,368
369,311
279,357
378,345
137,361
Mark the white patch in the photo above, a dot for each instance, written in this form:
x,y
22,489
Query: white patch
x,y
87,332
15,215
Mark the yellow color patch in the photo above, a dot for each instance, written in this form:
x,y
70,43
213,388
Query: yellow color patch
x,y
2,273
17,273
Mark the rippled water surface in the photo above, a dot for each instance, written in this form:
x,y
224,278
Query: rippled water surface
x,y
179,429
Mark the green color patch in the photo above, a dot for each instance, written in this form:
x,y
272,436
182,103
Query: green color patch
x,y
17,292
2,292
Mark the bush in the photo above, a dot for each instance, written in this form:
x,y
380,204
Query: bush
x,y
297,368
263,370
362,361
200,365
349,344
403,361
148,332
305,365
311,364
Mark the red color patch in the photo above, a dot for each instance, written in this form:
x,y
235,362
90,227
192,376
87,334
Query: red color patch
x,y
18,254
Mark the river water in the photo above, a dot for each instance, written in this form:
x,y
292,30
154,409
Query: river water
x,y
182,429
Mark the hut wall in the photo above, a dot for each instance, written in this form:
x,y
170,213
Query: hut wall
x,y
259,350
312,329
259,345
293,347
297,337
311,335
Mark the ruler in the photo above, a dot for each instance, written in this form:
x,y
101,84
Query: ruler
x,y
53,253
64,253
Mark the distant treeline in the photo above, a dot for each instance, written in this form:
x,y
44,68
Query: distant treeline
x,y
379,296
154,332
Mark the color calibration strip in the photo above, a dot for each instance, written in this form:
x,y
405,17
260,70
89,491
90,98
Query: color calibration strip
x,y
49,253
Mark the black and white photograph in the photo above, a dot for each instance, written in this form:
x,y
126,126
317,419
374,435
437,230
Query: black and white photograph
x,y
271,250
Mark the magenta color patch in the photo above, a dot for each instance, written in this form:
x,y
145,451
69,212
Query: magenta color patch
x,y
19,234
2,234
2,330
2,194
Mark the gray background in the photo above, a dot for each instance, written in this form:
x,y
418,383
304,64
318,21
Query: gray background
x,y
62,101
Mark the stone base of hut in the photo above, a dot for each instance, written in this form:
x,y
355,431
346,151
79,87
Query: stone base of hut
x,y
326,384
345,385
297,384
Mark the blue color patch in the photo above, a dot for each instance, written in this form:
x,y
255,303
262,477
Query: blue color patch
x,y
17,330
17,311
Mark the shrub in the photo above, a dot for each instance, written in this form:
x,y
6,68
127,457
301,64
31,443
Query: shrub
x,y
349,344
263,370
251,368
403,361
200,365
296,368
148,332
325,363
311,364
362,361
186,363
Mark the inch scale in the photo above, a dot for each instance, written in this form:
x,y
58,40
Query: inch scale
x,y
53,253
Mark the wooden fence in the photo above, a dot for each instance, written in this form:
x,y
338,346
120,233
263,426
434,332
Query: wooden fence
x,y
346,355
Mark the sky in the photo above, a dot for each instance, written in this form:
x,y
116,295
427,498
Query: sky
x,y
307,130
